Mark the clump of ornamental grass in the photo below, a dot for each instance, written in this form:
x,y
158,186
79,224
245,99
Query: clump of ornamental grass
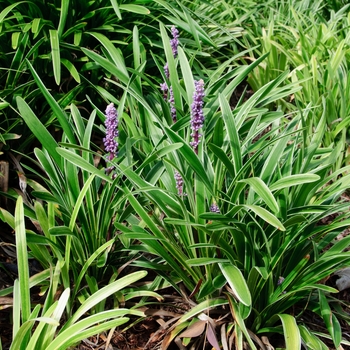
x,y
271,191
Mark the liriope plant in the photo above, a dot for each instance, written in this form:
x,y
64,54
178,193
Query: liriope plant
x,y
235,216
226,201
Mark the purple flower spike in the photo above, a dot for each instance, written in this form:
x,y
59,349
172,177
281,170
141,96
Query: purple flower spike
x,y
214,208
166,70
179,183
174,42
112,133
197,116
164,88
172,104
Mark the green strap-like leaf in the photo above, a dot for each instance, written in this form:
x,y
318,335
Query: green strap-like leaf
x,y
116,8
63,17
135,9
266,215
241,329
8,9
82,163
104,293
310,340
55,53
85,329
291,332
330,320
191,158
72,70
187,75
56,109
38,129
202,307
293,180
22,260
263,191
232,133
237,283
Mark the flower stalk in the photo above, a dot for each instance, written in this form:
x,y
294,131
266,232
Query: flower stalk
x,y
197,115
179,183
174,43
112,133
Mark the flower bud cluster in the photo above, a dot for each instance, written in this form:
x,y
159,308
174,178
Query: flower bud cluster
x,y
197,115
112,133
214,208
174,43
179,183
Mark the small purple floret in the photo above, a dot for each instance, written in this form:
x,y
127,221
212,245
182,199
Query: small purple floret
x,y
280,280
197,116
112,133
166,70
164,88
214,208
172,104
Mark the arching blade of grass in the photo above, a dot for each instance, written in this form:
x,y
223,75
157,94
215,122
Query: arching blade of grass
x,y
90,260
103,293
63,17
266,215
330,320
232,133
237,283
56,109
55,53
291,332
202,307
187,74
33,281
135,9
192,160
311,341
119,72
115,55
48,323
72,70
19,341
22,260
8,9
239,320
72,223
38,129
82,163
116,8
293,180
85,329
263,192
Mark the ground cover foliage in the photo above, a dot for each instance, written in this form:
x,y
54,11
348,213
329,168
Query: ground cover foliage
x,y
180,162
